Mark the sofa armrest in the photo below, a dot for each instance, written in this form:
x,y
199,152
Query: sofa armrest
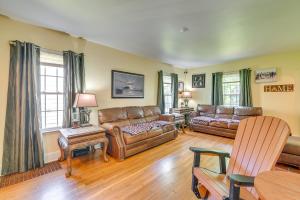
x,y
112,129
167,117
193,114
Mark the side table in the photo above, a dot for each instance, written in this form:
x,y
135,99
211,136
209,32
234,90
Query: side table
x,y
184,111
71,139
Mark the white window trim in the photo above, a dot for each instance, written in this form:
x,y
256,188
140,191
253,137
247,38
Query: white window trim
x,y
231,73
52,129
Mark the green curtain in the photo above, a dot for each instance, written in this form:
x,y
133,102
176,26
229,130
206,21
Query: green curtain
x,y
174,81
245,87
217,88
22,146
160,92
74,82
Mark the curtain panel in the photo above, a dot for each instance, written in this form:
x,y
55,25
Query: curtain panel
x,y
217,89
245,88
22,146
160,92
74,82
174,83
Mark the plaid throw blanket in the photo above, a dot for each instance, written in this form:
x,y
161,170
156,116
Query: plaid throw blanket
x,y
135,129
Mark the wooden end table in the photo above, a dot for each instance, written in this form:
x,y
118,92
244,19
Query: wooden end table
x,y
71,139
277,185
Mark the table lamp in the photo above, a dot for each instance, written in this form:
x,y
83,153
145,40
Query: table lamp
x,y
186,95
85,100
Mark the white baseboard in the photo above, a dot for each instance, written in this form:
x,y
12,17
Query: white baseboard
x,y
53,156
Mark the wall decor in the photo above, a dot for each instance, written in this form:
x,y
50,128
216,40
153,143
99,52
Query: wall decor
x,y
266,75
180,86
126,85
279,88
198,81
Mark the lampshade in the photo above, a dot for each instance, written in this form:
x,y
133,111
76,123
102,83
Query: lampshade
x,y
85,100
186,94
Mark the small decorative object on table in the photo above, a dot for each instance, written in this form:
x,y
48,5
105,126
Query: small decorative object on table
x,y
71,139
84,100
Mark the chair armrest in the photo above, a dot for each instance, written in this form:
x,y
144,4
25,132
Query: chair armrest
x,y
241,180
167,117
222,155
236,182
210,151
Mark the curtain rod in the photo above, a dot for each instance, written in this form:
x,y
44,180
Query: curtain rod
x,y
13,42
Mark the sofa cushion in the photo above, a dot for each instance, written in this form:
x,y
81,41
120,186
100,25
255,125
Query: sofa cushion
x,y
202,120
292,146
206,110
112,114
151,110
152,118
137,121
248,111
224,112
129,139
233,124
168,128
134,112
221,123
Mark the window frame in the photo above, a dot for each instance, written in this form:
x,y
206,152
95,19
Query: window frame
x,y
169,95
57,93
236,95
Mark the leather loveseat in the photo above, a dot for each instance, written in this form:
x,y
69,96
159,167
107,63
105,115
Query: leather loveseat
x,y
220,120
131,130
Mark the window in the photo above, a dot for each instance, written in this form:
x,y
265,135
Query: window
x,y
167,93
52,89
231,89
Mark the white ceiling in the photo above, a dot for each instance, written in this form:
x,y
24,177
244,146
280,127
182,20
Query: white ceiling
x,y
219,30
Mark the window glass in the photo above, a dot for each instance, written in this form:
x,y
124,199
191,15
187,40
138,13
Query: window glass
x,y
231,89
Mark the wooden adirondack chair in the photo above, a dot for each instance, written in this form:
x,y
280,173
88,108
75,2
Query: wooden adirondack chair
x,y
257,146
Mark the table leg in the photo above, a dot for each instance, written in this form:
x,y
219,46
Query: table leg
x,y
69,163
182,127
105,144
62,152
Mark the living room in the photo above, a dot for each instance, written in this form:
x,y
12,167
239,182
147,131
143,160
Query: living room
x,y
170,56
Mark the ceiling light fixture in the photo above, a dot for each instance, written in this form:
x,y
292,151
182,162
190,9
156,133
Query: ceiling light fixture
x,y
184,29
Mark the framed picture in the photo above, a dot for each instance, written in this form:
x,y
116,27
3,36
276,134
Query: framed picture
x,y
180,86
266,75
198,81
126,85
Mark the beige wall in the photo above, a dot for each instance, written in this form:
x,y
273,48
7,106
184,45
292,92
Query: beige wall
x,y
283,105
99,61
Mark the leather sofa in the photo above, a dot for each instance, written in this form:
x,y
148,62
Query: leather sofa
x,y
128,132
291,152
220,120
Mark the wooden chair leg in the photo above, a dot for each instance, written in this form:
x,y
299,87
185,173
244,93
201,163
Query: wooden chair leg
x,y
182,128
195,187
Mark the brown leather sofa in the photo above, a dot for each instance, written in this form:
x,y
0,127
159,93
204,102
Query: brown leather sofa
x,y
220,120
291,152
123,144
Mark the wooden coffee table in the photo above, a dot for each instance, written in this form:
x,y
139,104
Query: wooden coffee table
x,y
278,185
71,139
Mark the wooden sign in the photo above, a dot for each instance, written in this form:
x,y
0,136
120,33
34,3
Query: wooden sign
x,y
279,88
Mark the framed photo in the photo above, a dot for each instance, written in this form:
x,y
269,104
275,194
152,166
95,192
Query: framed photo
x,y
180,86
126,85
198,81
266,75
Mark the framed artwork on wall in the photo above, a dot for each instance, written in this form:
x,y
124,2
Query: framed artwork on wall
x,y
266,75
180,86
198,81
126,85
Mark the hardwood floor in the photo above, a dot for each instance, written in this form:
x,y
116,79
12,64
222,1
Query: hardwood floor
x,y
163,172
